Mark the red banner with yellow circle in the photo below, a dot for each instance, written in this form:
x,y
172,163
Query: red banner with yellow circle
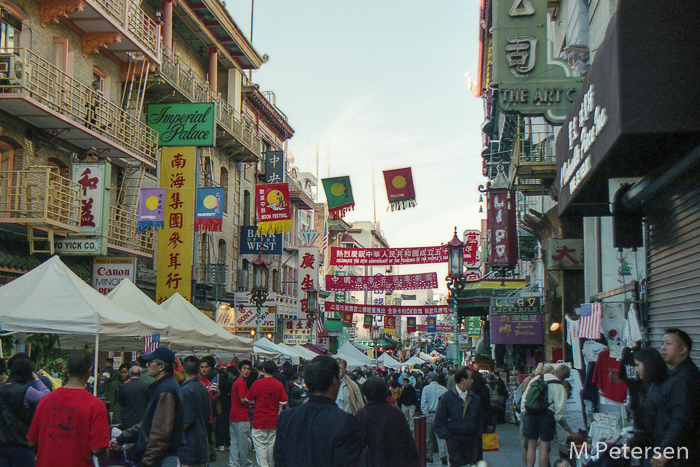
x,y
273,209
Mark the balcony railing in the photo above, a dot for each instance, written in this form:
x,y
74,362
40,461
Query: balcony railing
x,y
122,228
41,81
190,85
142,27
533,164
39,196
131,17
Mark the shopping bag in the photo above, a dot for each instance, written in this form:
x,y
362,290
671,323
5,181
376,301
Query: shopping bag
x,y
490,441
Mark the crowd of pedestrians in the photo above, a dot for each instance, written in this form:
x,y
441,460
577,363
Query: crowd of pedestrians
x,y
162,411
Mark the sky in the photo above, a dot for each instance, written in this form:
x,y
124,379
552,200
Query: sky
x,y
378,85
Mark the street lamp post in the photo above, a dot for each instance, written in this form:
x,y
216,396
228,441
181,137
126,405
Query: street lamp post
x,y
375,334
312,309
456,281
261,276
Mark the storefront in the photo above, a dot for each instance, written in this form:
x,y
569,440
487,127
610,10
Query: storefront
x,y
630,148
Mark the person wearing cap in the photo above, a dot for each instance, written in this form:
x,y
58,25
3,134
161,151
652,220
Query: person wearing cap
x,y
160,433
428,405
92,102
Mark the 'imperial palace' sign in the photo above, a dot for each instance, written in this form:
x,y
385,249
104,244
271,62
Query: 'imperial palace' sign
x,y
183,124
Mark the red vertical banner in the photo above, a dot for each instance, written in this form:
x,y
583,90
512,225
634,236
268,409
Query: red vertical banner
x,y
501,229
308,273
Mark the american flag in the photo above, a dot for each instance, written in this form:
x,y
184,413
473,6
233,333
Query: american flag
x,y
589,324
214,384
324,245
319,325
151,343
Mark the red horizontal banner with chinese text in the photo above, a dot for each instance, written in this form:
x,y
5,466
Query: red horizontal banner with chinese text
x,y
388,310
388,256
379,283
424,327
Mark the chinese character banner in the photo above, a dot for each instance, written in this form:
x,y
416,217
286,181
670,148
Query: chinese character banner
x,y
274,167
388,256
389,310
94,204
308,273
400,189
273,208
501,235
175,239
381,283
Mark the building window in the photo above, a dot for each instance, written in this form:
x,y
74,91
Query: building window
x,y
246,208
223,183
222,251
10,32
243,276
275,280
6,153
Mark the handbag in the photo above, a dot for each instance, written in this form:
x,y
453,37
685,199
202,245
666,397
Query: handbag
x,y
365,455
490,441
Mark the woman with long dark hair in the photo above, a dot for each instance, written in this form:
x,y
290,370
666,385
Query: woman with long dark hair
x,y
652,371
19,397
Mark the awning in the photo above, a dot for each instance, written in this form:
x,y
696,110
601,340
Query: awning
x,y
636,113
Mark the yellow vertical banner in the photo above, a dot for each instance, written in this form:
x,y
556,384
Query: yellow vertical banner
x,y
176,239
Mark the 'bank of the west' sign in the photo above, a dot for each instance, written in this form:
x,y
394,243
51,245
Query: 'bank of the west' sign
x,y
530,81
183,124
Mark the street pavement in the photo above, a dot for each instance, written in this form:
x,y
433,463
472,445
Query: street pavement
x,y
509,453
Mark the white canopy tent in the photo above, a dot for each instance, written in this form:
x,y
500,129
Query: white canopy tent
x,y
348,352
294,353
51,299
388,361
414,361
182,336
183,310
305,353
268,348
427,357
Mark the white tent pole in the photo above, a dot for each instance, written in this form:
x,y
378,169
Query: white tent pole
x,y
97,351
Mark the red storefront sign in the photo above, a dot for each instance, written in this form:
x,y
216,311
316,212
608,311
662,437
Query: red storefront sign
x,y
501,229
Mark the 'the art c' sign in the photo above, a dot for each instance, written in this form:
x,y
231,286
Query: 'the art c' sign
x,y
501,234
183,124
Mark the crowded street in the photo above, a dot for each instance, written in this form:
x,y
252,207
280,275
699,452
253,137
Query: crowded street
x,y
310,233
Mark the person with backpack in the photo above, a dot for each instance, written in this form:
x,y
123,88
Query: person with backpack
x,y
494,398
543,406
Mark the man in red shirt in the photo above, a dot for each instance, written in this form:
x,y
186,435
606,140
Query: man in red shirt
x,y
240,454
70,425
269,395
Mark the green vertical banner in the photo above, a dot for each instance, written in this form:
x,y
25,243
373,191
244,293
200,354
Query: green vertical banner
x,y
474,326
340,297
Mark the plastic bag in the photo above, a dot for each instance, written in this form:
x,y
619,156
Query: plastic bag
x,y
490,441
